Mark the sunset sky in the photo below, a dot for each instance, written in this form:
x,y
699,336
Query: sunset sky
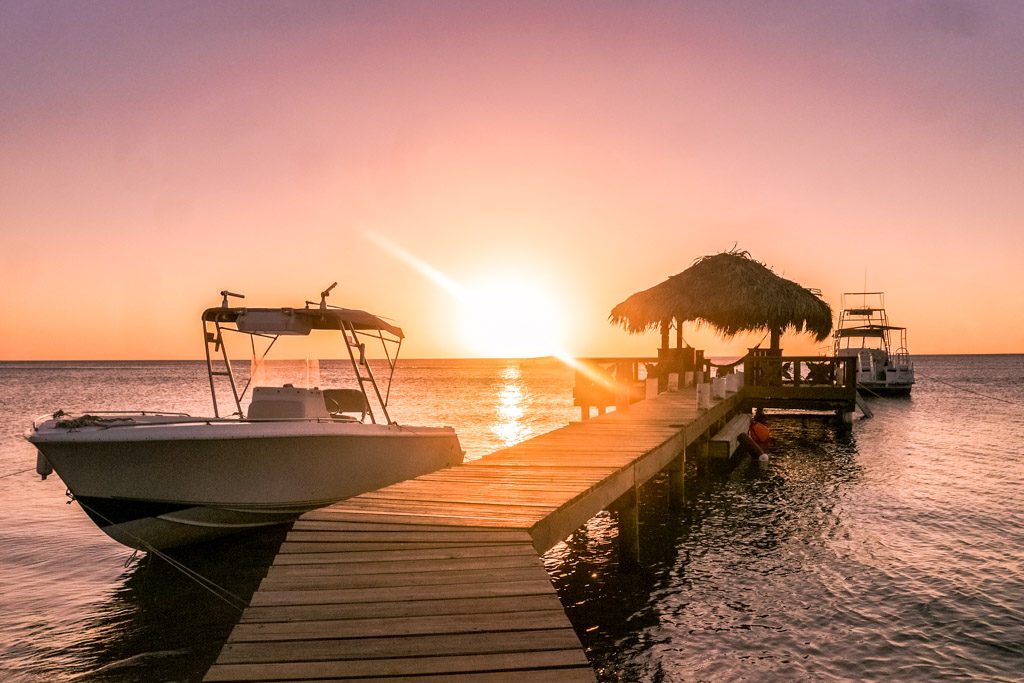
x,y
449,161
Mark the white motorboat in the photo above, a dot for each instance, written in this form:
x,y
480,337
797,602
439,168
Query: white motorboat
x,y
158,480
864,332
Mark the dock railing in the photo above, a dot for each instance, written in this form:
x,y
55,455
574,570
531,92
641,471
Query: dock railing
x,y
771,381
813,382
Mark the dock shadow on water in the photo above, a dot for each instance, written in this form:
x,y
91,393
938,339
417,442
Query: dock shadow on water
x,y
162,625
721,593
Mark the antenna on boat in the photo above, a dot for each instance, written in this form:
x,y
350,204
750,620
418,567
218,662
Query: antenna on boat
x,y
324,294
225,293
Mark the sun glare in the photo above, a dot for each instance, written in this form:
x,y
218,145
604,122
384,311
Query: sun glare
x,y
510,318
502,316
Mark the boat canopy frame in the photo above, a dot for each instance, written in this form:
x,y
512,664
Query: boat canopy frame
x,y
356,327
868,320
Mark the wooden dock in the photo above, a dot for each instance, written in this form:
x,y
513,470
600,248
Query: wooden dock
x,y
439,578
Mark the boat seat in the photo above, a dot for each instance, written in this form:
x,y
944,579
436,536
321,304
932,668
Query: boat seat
x,y
345,401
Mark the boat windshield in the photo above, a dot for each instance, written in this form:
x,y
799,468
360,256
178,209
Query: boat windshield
x,y
267,372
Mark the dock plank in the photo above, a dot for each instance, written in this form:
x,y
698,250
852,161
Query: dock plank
x,y
424,565
348,555
337,649
337,580
411,608
493,588
508,662
399,626
557,675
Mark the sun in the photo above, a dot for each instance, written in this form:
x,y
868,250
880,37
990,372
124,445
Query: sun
x,y
511,317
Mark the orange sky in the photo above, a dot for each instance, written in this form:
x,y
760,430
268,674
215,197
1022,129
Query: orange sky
x,y
152,154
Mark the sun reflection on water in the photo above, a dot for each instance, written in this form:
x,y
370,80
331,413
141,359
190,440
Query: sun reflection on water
x,y
510,427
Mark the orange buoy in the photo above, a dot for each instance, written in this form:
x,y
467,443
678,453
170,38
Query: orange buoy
x,y
759,432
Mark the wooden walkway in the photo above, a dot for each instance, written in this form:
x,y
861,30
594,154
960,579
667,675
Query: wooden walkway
x,y
439,578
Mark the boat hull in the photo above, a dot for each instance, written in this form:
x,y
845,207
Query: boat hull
x,y
160,486
885,390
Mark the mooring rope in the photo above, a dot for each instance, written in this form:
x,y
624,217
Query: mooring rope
x,y
873,393
209,585
969,391
11,474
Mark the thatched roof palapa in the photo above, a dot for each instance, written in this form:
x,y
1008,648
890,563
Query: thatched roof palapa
x,y
732,293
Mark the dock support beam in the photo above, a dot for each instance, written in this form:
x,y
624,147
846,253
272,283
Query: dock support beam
x,y
629,530
677,482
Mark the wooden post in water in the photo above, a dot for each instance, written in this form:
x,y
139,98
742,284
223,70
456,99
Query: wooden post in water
x,y
629,530
677,482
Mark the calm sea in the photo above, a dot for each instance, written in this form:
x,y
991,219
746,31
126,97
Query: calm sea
x,y
894,551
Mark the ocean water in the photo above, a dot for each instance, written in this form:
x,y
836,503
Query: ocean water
x,y
892,551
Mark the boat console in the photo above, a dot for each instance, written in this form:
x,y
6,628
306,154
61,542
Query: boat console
x,y
296,403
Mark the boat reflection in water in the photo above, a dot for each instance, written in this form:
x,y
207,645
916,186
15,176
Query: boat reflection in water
x,y
163,624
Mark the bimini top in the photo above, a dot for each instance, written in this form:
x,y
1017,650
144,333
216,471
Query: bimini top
x,y
298,320
866,331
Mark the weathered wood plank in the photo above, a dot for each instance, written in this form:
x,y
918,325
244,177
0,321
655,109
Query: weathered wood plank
x,y
474,497
398,626
492,536
397,594
510,662
319,547
313,521
552,675
725,442
410,608
497,511
404,646
388,554
375,566
345,580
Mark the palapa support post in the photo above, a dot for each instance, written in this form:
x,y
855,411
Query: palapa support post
x,y
625,508
664,354
677,482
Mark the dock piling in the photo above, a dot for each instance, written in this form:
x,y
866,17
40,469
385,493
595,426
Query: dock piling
x,y
677,482
629,530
